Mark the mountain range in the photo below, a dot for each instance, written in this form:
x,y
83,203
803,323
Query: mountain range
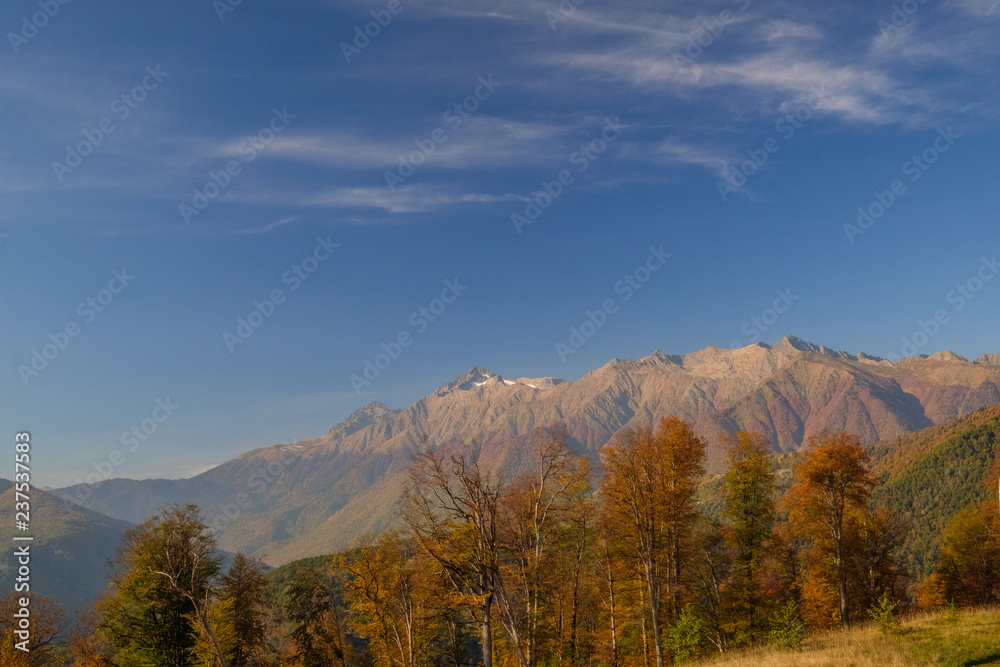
x,y
285,502
71,550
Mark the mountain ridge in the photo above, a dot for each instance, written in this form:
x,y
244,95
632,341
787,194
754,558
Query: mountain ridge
x,y
71,549
282,502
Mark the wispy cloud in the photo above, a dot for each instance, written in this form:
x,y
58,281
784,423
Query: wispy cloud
x,y
677,153
268,227
408,199
785,29
416,198
485,141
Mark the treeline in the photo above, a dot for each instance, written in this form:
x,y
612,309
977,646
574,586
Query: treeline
x,y
558,567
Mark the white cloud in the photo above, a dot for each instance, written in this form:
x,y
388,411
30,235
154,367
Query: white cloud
x,y
484,141
784,29
416,198
672,151
407,199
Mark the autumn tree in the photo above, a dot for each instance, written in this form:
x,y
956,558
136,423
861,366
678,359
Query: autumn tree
x,y
750,508
88,646
968,570
316,619
240,615
46,624
545,504
712,582
878,533
571,573
187,558
832,484
969,564
396,603
452,508
160,590
648,491
612,577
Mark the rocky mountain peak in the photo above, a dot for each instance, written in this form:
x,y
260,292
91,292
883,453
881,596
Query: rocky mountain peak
x,y
947,355
480,377
791,345
474,377
660,358
362,418
797,344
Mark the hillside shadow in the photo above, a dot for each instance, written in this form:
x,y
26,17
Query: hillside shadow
x,y
992,658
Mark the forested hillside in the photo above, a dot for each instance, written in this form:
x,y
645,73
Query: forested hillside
x,y
931,475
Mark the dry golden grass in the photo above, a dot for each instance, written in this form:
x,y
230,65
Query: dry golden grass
x,y
927,639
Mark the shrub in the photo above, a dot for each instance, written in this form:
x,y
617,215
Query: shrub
x,y
684,639
885,615
951,614
788,630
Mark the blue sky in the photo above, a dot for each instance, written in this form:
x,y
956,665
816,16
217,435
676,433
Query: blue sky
x,y
739,138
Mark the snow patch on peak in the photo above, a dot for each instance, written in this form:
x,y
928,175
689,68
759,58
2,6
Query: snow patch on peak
x,y
480,377
541,384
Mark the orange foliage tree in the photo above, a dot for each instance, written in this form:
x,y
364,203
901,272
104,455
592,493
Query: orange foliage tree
x,y
648,493
832,486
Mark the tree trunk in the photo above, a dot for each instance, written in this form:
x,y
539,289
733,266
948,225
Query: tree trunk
x,y
842,581
486,632
611,605
654,608
674,576
219,656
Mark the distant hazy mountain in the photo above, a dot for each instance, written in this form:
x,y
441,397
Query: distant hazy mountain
x,y
284,502
70,552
